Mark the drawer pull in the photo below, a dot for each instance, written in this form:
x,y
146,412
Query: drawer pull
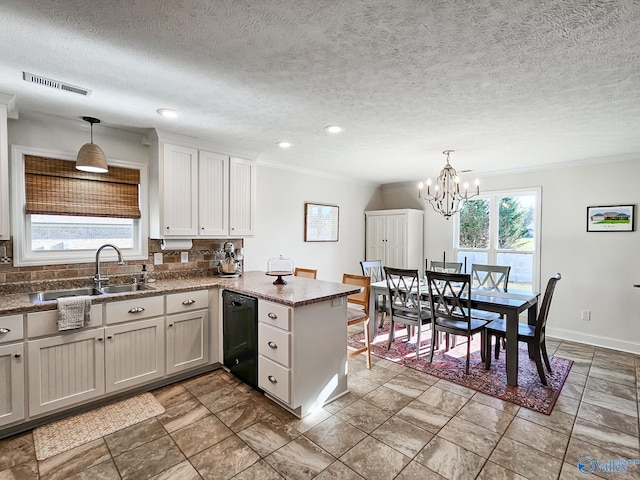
x,y
109,337
272,315
17,355
171,325
136,310
189,302
272,379
4,330
100,339
272,345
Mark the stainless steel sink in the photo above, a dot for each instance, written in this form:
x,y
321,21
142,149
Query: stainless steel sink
x,y
132,287
53,295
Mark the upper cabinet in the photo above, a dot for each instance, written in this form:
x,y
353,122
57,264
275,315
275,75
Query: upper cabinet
x,y
195,193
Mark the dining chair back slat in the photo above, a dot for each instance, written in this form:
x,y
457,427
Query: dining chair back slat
x,y
374,270
491,277
446,267
305,272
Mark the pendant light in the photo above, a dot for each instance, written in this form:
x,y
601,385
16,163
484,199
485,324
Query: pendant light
x,y
91,158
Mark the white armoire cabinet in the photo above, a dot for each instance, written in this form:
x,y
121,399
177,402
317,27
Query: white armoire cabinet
x,y
195,193
395,237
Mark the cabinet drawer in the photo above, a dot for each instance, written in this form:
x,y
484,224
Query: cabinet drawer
x,y
185,301
135,309
11,328
274,314
274,344
274,379
46,323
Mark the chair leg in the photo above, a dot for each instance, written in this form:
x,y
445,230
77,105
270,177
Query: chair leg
x,y
367,342
391,329
538,360
543,347
468,354
487,351
483,340
418,343
434,332
497,351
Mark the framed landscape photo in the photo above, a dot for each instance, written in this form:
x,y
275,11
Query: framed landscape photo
x,y
611,218
320,222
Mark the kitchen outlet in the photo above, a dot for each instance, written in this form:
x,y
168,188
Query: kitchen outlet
x,y
157,258
585,315
184,257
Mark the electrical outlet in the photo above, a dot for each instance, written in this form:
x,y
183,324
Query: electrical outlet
x,y
184,257
585,315
157,258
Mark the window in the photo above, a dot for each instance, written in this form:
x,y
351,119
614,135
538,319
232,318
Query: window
x,y
502,228
60,216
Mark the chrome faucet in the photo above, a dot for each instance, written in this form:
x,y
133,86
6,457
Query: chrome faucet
x,y
99,279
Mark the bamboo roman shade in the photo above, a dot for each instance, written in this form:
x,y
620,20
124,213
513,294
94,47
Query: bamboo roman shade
x,y
55,187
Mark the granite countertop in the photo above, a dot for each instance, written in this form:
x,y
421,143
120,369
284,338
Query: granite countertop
x,y
298,291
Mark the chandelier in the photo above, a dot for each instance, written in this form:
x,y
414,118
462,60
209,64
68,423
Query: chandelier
x,y
446,198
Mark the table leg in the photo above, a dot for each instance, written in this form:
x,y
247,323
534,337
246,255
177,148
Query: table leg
x,y
512,348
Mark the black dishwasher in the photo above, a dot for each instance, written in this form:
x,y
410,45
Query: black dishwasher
x,y
240,336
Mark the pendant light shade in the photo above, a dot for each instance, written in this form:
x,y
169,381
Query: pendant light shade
x,y
91,158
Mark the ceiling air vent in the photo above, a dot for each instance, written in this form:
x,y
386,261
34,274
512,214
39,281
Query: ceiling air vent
x,y
48,82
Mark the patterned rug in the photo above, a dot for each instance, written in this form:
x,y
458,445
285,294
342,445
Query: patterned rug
x,y
450,365
62,435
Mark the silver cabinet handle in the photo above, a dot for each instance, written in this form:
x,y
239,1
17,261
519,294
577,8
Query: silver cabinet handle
x,y
272,345
109,337
4,330
189,302
272,379
136,310
272,316
100,339
17,355
171,324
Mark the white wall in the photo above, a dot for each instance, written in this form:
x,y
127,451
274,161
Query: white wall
x,y
280,222
598,269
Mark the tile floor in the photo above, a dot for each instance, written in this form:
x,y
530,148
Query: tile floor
x,y
394,423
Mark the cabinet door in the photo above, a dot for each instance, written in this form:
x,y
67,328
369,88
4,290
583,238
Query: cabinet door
x,y
12,380
65,370
242,197
213,194
179,197
134,353
396,241
376,238
187,338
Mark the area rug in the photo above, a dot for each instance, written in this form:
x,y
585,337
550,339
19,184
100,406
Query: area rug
x,y
65,434
450,365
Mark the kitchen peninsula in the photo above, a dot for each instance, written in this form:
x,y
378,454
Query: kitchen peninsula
x,y
301,344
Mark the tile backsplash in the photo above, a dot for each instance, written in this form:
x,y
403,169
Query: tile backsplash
x,y
201,261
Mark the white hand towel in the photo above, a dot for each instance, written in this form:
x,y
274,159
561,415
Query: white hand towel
x,y
74,312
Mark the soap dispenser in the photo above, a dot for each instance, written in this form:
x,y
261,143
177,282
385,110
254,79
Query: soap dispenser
x,y
144,274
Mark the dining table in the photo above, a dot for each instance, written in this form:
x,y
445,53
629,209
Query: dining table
x,y
510,304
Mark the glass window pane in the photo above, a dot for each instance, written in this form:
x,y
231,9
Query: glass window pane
x,y
60,232
474,224
521,273
468,258
516,223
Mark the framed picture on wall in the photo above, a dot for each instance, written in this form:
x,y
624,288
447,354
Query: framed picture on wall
x,y
611,218
321,222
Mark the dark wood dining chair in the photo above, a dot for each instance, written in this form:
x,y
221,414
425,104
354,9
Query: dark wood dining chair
x,y
406,304
450,300
374,270
490,277
534,335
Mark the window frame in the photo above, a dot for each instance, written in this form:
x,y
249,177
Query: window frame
x,y
493,249
21,225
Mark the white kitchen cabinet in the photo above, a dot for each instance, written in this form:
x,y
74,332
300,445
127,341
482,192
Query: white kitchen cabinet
x,y
300,363
134,353
65,370
395,237
200,194
187,330
12,381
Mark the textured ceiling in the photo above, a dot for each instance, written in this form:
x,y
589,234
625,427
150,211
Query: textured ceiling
x,y
506,84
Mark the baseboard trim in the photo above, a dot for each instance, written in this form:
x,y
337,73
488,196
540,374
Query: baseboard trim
x,y
595,340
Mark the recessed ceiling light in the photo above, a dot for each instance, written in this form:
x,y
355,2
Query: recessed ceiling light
x,y
284,144
167,112
333,128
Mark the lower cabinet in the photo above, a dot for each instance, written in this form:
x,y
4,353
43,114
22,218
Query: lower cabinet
x,y
65,370
134,353
187,339
12,381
